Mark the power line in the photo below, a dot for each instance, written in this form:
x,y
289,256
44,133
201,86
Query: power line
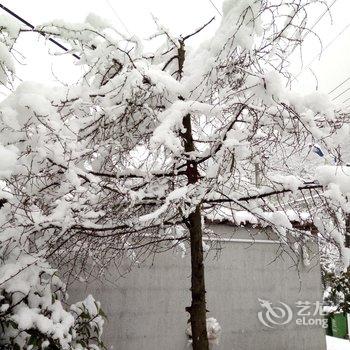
x,y
346,100
313,26
325,48
318,20
338,86
16,16
217,10
328,45
118,17
310,30
28,24
341,94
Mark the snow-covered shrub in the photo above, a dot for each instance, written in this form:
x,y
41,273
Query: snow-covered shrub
x,y
337,292
88,326
33,314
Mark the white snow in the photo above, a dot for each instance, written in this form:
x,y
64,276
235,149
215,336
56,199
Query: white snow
x,y
289,182
12,25
6,58
97,22
278,218
336,175
173,196
337,343
319,103
171,120
6,64
8,160
213,330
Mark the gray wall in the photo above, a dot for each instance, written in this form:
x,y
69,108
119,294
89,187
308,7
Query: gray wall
x,y
146,308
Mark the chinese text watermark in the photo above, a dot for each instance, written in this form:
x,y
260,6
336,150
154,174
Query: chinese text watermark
x,y
305,313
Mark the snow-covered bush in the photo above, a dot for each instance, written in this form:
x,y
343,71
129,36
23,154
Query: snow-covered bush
x,y
337,292
33,314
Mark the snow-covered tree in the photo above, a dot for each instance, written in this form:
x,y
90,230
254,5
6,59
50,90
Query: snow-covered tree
x,y
33,310
147,145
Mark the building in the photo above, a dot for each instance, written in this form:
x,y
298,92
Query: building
x,y
247,269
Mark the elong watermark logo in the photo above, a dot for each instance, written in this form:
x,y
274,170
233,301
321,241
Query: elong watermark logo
x,y
278,314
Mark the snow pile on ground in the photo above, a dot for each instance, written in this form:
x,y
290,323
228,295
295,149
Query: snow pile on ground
x,y
337,344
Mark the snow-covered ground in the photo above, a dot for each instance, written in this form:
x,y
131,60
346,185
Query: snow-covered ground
x,y
337,344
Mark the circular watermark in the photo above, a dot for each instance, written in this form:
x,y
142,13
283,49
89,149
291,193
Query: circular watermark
x,y
273,315
280,313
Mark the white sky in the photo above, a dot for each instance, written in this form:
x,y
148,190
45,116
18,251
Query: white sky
x,y
181,17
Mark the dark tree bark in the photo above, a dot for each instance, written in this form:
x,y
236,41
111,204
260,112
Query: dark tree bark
x,y
347,230
198,306
197,309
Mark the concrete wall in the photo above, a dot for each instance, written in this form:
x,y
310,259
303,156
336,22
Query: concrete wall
x,y
146,308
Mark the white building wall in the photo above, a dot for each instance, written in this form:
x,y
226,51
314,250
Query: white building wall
x,y
146,308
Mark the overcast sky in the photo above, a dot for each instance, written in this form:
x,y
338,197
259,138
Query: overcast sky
x,y
182,17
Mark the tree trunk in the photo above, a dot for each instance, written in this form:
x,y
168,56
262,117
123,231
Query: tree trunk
x,y
347,230
198,305
197,309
